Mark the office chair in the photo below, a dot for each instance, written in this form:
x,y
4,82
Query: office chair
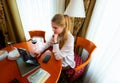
x,y
89,46
37,33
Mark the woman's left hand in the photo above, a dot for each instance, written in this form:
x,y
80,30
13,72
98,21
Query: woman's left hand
x,y
55,37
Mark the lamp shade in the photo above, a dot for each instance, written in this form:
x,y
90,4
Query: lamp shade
x,y
75,9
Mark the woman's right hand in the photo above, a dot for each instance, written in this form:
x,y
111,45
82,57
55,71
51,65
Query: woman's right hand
x,y
37,54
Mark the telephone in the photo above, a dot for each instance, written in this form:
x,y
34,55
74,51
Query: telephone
x,y
27,56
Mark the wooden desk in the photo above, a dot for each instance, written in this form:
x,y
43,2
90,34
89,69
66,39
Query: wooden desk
x,y
9,69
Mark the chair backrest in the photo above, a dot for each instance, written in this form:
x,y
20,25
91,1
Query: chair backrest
x,y
37,33
89,46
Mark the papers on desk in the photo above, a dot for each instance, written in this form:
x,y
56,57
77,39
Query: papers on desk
x,y
13,54
39,76
3,54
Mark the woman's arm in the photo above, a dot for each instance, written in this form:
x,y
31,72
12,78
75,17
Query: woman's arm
x,y
43,48
66,50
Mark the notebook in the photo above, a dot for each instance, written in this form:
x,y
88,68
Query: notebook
x,y
39,76
24,67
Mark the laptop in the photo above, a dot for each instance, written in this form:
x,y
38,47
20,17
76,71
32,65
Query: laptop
x,y
26,66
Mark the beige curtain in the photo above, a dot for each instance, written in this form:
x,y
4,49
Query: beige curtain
x,y
66,3
89,5
3,28
13,22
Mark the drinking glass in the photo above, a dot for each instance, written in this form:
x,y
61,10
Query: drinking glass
x,y
10,44
37,44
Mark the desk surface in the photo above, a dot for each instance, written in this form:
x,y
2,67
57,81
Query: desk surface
x,y
9,69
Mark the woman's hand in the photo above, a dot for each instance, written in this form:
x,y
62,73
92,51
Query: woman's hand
x,y
55,36
38,53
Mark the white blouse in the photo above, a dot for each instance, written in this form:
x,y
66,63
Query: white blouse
x,y
66,53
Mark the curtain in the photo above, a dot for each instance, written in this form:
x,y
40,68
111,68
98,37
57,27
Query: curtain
x,y
14,31
2,27
37,14
104,31
9,34
89,6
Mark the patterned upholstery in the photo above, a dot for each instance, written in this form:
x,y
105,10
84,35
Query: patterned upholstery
x,y
71,74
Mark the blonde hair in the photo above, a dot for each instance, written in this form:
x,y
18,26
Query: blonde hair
x,y
62,21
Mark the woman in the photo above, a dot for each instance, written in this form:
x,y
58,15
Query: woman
x,y
62,40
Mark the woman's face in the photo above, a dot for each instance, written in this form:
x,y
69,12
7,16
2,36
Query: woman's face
x,y
57,29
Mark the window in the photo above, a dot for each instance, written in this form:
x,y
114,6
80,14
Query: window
x,y
37,14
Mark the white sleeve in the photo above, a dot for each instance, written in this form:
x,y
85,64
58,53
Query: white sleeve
x,y
46,45
67,49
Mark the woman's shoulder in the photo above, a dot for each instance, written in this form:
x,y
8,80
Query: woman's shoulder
x,y
70,36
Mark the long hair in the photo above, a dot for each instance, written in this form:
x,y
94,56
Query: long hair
x,y
62,21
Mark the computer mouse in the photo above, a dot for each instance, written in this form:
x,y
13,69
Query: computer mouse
x,y
46,58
